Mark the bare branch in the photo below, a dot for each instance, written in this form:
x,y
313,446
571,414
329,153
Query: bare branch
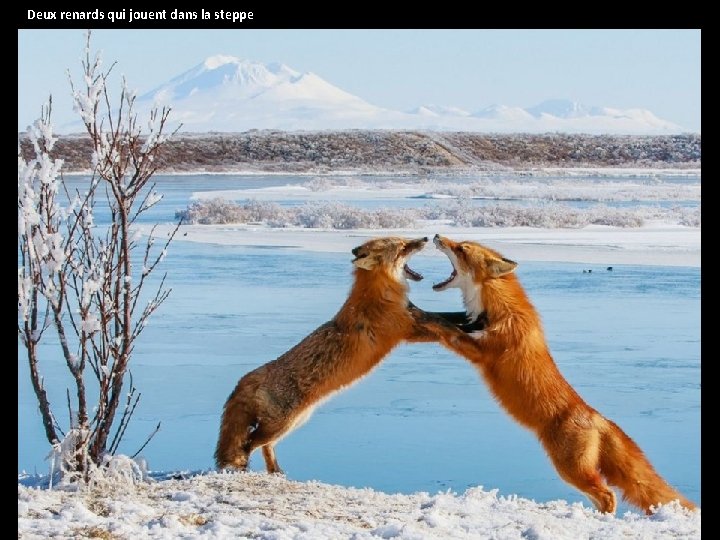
x,y
157,428
127,414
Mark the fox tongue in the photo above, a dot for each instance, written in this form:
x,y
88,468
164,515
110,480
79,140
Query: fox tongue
x,y
412,274
446,282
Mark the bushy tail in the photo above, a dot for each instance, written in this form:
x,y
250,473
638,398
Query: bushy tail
x,y
624,465
238,419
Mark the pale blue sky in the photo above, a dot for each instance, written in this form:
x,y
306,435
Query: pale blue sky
x,y
400,69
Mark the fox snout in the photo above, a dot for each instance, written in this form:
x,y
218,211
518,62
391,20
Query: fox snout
x,y
441,241
445,244
417,244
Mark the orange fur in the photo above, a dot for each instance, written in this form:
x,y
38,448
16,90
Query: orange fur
x,y
514,359
275,398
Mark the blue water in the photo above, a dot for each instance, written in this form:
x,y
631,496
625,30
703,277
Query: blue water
x,y
628,340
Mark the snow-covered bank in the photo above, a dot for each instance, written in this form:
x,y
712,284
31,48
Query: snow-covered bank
x,y
257,505
654,244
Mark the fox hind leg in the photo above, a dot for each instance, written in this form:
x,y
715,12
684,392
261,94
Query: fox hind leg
x,y
265,435
574,449
591,484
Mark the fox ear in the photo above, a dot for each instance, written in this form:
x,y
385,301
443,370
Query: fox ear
x,y
500,267
364,262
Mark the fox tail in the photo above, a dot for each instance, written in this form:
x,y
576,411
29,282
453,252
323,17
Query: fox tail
x,y
239,420
624,465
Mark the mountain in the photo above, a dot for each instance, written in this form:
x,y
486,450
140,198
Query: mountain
x,y
504,113
229,94
225,93
439,110
562,108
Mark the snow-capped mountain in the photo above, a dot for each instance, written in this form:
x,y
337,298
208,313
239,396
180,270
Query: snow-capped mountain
x,y
225,93
562,108
504,113
438,110
229,78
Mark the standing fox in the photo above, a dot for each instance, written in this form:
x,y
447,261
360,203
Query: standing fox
x,y
514,359
277,397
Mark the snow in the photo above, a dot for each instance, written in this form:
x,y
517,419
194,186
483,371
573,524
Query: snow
x,y
214,62
321,189
439,110
654,244
228,94
561,108
258,505
505,113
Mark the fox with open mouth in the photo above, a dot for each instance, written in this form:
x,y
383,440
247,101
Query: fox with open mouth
x,y
279,396
512,354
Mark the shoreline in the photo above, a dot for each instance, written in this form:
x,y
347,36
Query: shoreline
x,y
655,244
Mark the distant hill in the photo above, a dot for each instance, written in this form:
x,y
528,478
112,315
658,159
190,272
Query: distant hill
x,y
398,151
229,94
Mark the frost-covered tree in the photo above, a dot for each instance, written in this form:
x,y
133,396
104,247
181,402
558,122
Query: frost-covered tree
x,y
83,281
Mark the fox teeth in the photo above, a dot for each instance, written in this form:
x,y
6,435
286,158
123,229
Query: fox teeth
x,y
412,274
447,281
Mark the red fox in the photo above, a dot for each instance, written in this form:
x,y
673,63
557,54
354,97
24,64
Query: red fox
x,y
277,397
513,357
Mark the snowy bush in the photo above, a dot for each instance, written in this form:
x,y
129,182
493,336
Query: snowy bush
x,y
220,211
311,215
319,183
461,213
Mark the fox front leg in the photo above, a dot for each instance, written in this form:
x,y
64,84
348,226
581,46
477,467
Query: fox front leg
x,y
429,326
457,318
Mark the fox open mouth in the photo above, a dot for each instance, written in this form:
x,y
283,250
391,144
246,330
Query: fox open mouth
x,y
412,274
440,286
410,249
438,241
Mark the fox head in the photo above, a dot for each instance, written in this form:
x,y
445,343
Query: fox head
x,y
389,255
473,265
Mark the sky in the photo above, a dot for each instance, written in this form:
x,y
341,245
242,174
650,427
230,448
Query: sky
x,y
401,69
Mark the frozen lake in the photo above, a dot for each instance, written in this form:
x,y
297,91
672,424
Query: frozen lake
x,y
628,340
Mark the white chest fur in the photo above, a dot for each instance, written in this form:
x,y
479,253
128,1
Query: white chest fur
x,y
472,297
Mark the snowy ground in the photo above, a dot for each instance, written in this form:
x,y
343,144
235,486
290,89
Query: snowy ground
x,y
654,244
257,505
